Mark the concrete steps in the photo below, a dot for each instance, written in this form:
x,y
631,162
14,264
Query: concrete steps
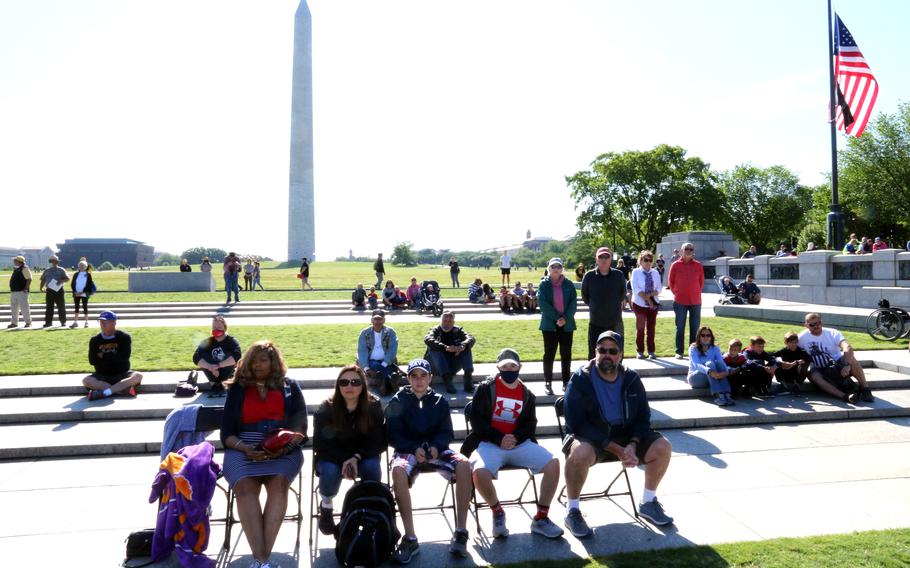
x,y
49,415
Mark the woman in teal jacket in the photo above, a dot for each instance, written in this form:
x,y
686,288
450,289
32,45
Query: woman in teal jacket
x,y
557,320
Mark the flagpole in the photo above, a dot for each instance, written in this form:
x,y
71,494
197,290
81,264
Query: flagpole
x,y
835,220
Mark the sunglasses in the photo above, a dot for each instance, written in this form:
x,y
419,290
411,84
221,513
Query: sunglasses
x,y
814,324
608,350
350,382
647,259
706,335
688,249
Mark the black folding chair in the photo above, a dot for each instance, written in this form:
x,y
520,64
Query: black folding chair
x,y
520,500
606,493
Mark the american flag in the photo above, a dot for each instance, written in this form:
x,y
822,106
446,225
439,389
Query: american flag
x,y
857,88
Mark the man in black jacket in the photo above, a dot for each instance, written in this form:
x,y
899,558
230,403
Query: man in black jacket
x,y
608,419
109,352
503,419
449,351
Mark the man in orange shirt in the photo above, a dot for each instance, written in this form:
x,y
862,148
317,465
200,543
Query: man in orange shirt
x,y
686,280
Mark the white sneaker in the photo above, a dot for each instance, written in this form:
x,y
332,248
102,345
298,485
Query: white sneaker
x,y
640,355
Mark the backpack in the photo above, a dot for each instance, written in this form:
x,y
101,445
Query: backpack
x,y
366,534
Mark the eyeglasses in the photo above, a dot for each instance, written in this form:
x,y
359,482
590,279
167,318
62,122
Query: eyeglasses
x,y
555,267
688,249
603,257
706,335
647,259
814,323
350,382
608,351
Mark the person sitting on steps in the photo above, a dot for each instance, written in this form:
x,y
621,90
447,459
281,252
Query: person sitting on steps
x,y
109,352
449,351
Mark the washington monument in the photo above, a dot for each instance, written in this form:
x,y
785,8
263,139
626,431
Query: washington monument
x,y
301,210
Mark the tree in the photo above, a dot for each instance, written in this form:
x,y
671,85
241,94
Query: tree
x,y
636,197
194,255
403,254
427,256
875,176
167,259
764,206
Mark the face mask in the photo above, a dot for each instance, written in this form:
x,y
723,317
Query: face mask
x,y
217,333
509,376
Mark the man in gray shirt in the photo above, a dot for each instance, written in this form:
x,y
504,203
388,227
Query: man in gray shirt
x,y
52,281
603,289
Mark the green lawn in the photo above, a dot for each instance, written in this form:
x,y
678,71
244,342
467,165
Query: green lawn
x,y
283,284
872,549
320,345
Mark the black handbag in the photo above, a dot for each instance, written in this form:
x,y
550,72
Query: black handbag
x,y
139,545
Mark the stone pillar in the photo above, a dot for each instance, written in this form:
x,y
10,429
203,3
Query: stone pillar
x,y
814,267
761,268
301,208
884,267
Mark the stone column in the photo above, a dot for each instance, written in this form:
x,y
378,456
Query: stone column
x,y
884,267
301,208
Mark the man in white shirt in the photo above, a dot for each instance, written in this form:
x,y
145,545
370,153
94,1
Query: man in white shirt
x,y
377,350
505,267
833,362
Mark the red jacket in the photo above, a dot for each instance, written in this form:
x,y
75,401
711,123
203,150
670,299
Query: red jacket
x,y
686,281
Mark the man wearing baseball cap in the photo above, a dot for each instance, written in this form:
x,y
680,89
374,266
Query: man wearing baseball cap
x,y
603,289
419,428
109,352
52,280
608,419
19,283
503,419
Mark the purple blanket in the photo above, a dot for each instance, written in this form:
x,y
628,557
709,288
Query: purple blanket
x,y
184,487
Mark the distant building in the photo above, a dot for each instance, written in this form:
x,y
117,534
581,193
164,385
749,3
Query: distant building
x,y
6,256
37,256
98,251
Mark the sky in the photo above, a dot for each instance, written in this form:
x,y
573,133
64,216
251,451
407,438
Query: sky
x,y
448,124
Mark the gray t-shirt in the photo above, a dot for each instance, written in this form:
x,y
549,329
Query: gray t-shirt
x,y
54,273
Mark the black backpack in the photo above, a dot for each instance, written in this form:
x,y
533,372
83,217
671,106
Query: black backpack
x,y
367,534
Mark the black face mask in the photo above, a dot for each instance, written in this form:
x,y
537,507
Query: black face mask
x,y
508,377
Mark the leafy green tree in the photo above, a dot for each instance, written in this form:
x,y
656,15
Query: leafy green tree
x,y
764,206
636,197
403,254
167,259
427,256
194,255
875,177
105,266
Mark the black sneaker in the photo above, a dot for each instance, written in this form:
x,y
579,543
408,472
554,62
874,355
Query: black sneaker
x,y
654,512
459,543
468,385
217,390
406,550
866,395
326,521
450,386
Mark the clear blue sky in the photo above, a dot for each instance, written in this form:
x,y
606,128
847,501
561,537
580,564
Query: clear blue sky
x,y
167,121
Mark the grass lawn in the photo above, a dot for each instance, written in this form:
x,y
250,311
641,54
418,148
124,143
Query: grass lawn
x,y
323,345
283,284
878,549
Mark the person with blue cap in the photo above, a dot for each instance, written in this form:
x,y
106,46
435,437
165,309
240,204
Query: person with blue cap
x,y
608,419
109,352
419,427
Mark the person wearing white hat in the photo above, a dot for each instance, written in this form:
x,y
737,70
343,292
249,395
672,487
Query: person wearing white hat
x,y
19,283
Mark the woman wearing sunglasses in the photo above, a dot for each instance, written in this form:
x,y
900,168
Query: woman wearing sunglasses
x,y
348,439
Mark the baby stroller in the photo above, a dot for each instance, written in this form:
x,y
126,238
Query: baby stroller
x,y
429,300
729,290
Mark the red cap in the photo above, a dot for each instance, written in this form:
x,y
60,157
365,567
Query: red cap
x,y
603,250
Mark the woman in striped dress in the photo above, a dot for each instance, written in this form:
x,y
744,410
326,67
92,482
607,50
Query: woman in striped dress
x,y
261,399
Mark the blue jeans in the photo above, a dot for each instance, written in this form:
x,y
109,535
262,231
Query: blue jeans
x,y
231,284
699,380
448,364
455,283
694,313
330,474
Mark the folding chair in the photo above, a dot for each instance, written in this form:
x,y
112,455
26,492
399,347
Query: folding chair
x,y
560,415
448,491
520,500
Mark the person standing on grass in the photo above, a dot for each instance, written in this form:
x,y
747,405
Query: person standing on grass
x,y
52,280
304,274
646,286
232,269
505,267
603,289
608,419
20,281
109,352
248,275
379,269
257,275
185,266
686,280
206,265
453,272
558,302
83,287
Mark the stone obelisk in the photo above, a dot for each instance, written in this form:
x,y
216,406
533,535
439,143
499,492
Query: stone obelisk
x,y
301,209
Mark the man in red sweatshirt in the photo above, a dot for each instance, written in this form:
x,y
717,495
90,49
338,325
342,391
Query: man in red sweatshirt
x,y
687,277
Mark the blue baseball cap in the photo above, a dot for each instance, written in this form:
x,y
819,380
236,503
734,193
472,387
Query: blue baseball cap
x,y
107,316
612,336
419,364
